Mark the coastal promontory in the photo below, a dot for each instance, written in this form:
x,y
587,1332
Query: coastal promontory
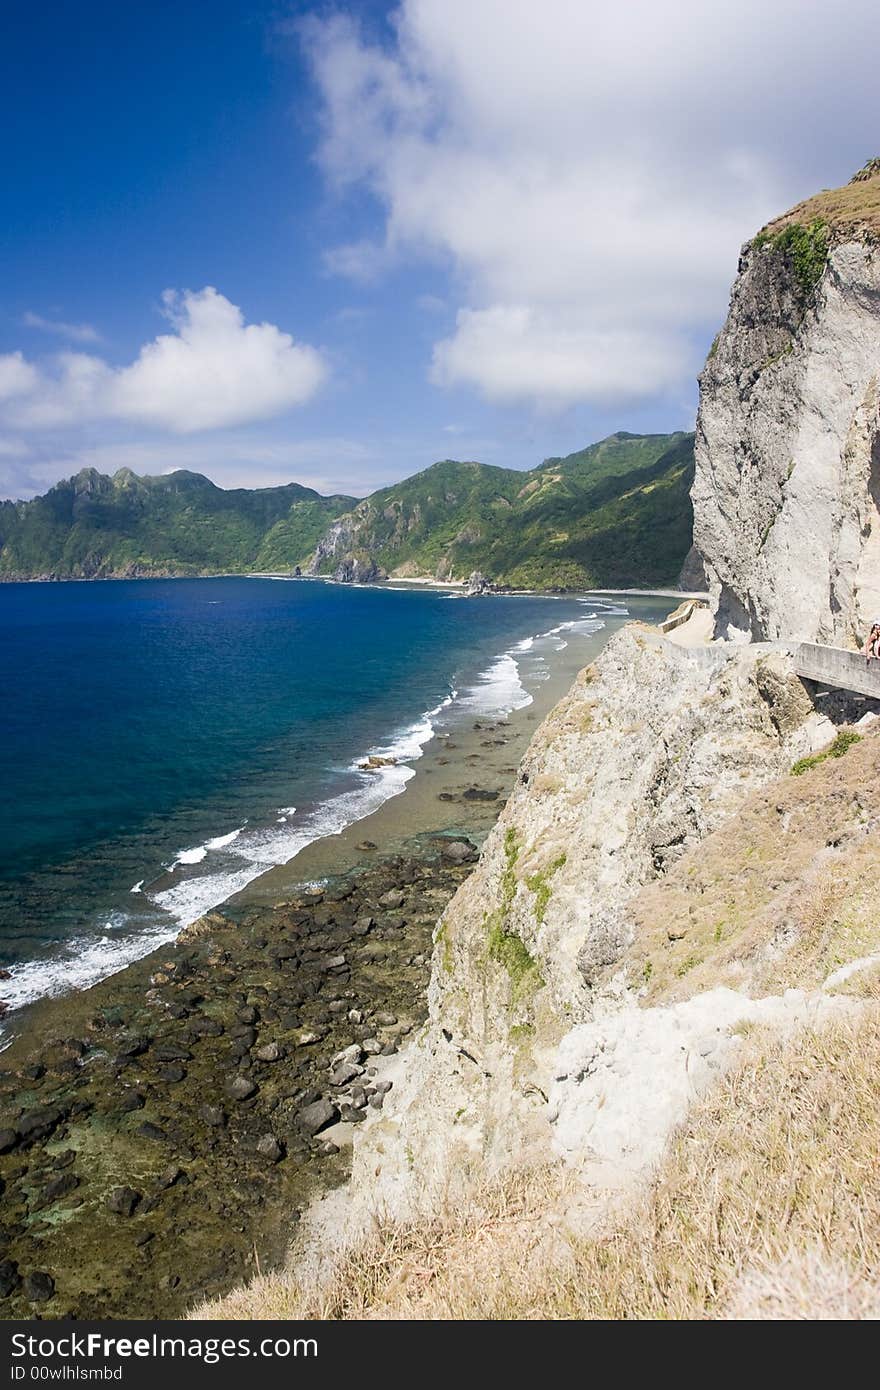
x,y
647,1084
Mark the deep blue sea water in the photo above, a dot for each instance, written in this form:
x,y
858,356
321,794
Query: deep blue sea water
x,y
163,742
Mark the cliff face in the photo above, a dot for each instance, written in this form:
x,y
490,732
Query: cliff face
x,y
654,748
787,485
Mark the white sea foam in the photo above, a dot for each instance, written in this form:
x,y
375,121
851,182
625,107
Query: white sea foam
x,y
251,853
257,851
137,887
443,705
221,841
83,961
405,745
190,856
200,852
497,691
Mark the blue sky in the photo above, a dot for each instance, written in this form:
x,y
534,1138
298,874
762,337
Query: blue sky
x,y
453,228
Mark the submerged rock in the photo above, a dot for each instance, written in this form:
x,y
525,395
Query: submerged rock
x,y
458,851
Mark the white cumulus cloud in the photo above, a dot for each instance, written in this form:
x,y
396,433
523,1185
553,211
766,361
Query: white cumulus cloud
x,y
587,173
17,377
212,370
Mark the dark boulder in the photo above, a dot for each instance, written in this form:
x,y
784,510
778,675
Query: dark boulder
x,y
38,1286
9,1277
317,1116
35,1125
123,1200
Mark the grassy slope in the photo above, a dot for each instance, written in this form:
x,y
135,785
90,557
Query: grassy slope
x,y
767,1206
780,897
180,523
616,513
852,209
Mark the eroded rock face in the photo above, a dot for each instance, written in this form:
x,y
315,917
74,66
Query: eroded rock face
x,y
358,569
787,487
654,747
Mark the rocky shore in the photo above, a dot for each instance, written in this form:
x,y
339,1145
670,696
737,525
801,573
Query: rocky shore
x,y
158,1146
161,1133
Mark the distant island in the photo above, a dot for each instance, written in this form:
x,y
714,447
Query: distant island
x,y
617,513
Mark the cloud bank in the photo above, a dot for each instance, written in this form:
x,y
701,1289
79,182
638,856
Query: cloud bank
x,y
212,370
587,173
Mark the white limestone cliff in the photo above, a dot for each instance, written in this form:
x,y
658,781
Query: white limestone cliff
x,y
654,747
538,1045
787,487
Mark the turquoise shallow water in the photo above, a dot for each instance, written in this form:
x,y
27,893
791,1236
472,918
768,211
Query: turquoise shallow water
x,y
165,742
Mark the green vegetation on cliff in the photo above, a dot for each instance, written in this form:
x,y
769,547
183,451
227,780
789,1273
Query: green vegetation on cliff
x,y
92,526
614,514
804,247
847,212
617,513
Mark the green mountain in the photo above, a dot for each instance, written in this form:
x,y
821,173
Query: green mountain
x,y
614,514
92,526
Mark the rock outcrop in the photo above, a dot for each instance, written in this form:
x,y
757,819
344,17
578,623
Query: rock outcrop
x,y
478,584
336,542
787,487
358,569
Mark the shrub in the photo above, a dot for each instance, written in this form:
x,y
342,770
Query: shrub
x,y
805,248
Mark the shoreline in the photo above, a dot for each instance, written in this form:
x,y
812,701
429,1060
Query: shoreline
x,y
393,581
176,1094
93,958
682,594
119,1122
158,1132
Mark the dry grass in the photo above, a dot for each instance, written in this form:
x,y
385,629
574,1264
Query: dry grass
x,y
768,1205
854,208
779,896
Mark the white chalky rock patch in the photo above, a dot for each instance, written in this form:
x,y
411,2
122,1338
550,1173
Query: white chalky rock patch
x,y
623,1083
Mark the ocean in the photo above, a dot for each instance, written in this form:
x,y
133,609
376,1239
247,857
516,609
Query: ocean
x,y
165,742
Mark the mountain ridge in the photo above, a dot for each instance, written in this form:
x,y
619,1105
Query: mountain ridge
x,y
615,512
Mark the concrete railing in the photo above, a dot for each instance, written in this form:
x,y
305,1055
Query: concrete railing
x,y
683,614
834,666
